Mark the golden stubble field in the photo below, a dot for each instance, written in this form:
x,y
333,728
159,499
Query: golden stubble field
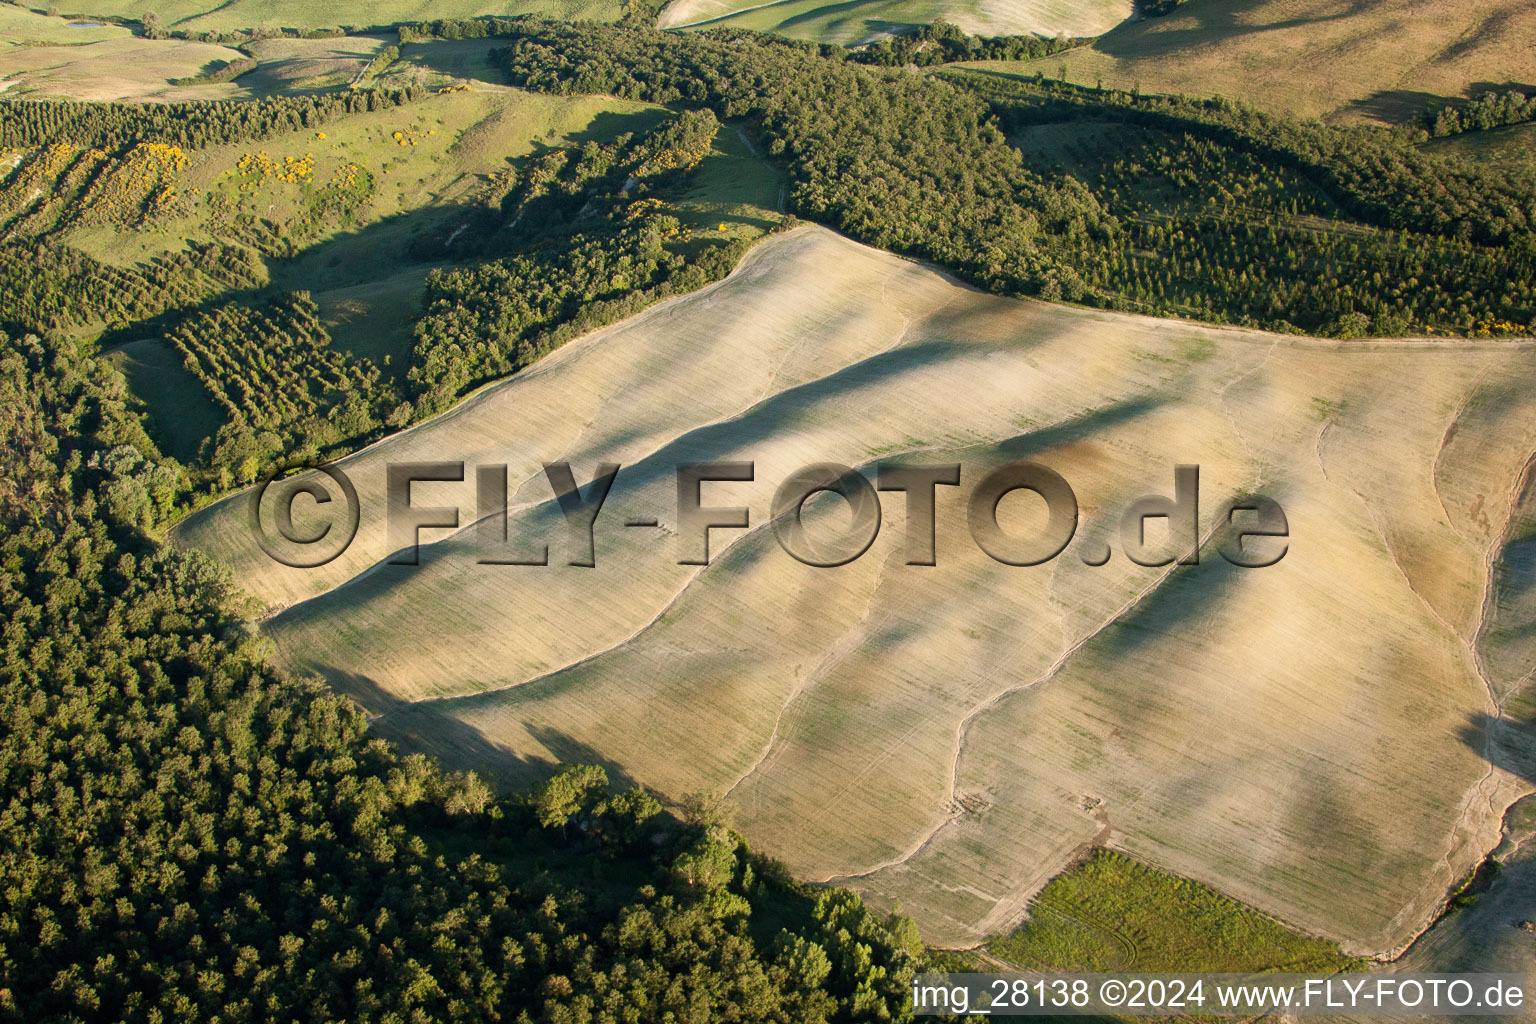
x,y
1362,59
1311,737
864,20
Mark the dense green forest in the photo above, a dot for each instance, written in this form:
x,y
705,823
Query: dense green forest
x,y
899,161
53,288
1394,241
1231,214
188,834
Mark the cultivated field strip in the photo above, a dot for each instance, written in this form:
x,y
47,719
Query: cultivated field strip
x,y
1309,737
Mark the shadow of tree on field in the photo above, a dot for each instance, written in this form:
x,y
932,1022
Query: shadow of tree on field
x,y
433,727
1411,106
1478,88
1215,23
1397,106
1485,926
1507,742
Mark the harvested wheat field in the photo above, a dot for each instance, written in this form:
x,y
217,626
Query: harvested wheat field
x,y
1383,59
1492,933
863,20
1310,737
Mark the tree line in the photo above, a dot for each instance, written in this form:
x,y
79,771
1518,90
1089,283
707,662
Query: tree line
x,y
944,43
54,288
1492,109
193,124
1376,174
903,162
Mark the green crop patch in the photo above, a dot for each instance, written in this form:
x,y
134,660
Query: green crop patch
x,y
1110,913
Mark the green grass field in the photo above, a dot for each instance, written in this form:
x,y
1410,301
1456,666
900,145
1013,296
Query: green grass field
x,y
735,193
1513,148
20,27
374,319
180,411
448,59
1110,913
299,65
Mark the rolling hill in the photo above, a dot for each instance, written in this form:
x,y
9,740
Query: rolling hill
x,y
863,20
238,15
1358,59
75,57
367,269
490,766
1309,738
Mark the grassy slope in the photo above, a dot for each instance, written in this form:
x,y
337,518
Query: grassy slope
x,y
1512,148
121,67
734,194
210,15
181,413
292,65
1384,59
1302,747
20,27
472,133
369,305
363,276
862,20
50,58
